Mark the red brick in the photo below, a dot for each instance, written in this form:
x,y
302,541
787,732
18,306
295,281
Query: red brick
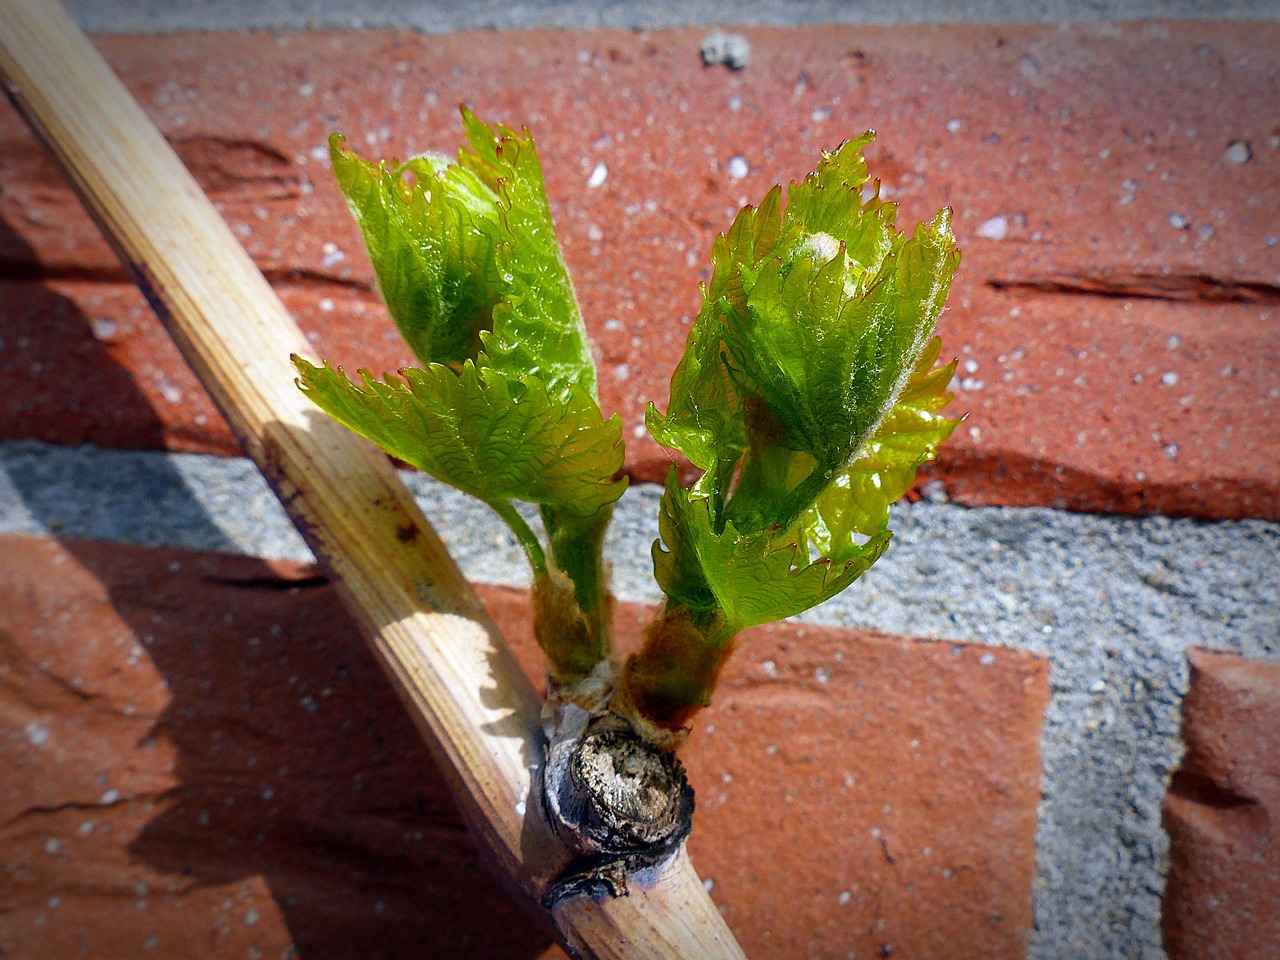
x,y
855,792
1223,894
1121,363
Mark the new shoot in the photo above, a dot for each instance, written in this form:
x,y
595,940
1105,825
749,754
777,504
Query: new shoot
x,y
807,397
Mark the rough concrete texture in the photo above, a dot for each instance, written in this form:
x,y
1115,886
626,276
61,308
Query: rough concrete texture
x,y
440,16
207,757
1112,602
1222,814
1114,316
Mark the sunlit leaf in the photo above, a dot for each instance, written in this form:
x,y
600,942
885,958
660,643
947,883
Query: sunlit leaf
x,y
492,437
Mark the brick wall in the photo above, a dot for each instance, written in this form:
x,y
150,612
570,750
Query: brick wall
x,y
964,757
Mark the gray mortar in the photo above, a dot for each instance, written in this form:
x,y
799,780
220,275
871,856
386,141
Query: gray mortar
x,y
443,16
1113,602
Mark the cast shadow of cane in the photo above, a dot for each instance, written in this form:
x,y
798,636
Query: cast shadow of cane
x,y
294,760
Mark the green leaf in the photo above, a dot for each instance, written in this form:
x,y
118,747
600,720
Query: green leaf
x,y
703,419
432,244
857,500
467,258
751,578
813,321
806,395
493,437
538,327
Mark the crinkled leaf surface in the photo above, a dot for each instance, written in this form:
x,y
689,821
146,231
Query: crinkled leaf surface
x,y
806,395
857,500
811,324
538,326
493,437
752,578
467,258
432,245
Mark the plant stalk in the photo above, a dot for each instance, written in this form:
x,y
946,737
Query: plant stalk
x,y
465,691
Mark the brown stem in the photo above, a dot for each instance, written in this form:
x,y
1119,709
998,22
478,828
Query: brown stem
x,y
674,673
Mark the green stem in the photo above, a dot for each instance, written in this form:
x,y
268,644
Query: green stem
x,y
524,533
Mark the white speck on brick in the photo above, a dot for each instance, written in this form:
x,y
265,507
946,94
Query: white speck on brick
x,y
1178,221
333,254
85,828
821,675
987,659
109,797
769,667
621,372
171,392
37,733
955,125
1174,341
708,884
52,845
326,305
1169,378
104,328
598,175
971,366
1171,451
594,233
820,114
997,228
738,167
1239,151
845,897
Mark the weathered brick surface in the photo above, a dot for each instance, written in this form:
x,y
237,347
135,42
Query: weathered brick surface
x,y
1223,894
1115,315
204,761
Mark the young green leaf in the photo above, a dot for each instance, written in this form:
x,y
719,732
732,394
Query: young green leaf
x,y
538,326
467,259
746,578
495,438
806,395
432,245
857,501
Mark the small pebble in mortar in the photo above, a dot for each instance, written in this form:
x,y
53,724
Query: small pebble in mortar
x,y
730,49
